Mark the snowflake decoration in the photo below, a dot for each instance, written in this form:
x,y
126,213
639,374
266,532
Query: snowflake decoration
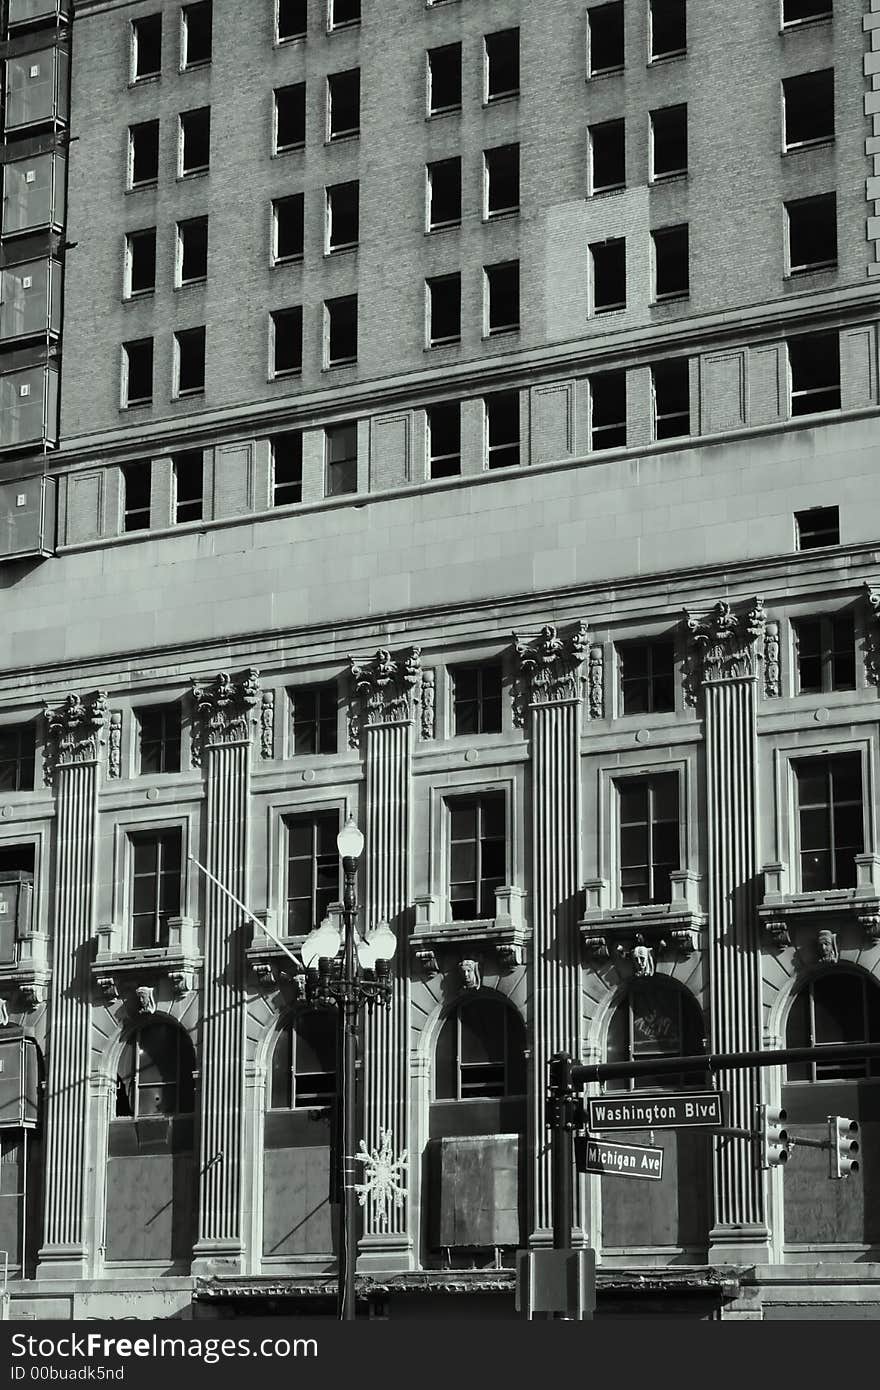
x,y
383,1177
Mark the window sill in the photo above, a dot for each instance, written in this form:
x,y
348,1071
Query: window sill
x,y
672,928
677,297
800,271
502,215
135,295
199,173
140,187
606,72
191,284
793,919
438,946
608,191
505,331
293,373
674,176
195,67
442,343
116,969
341,28
662,59
189,393
289,149
604,311
144,81
345,249
137,405
341,363
500,98
343,137
817,144
281,261
443,227
283,41
811,22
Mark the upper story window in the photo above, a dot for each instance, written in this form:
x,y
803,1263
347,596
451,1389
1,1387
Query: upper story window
x,y
140,262
668,29
312,869
608,156
159,739
341,331
672,399
143,154
649,838
304,1061
189,361
795,12
344,104
189,486
285,342
289,106
192,251
341,447
137,481
660,1019
814,368
195,141
287,468
288,228
831,830
608,266
502,429
816,527
501,166
808,109
477,854
477,699
671,263
826,653
502,64
196,34
647,677
501,297
812,234
343,216
443,179
314,718
605,39
17,754
291,19
341,14
480,1051
137,372
155,885
146,47
608,409
669,142
444,439
155,1075
842,1006
443,309
444,79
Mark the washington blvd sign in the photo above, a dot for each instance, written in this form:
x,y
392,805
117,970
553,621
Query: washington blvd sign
x,y
691,1110
623,1160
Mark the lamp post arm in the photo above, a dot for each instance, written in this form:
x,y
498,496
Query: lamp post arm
x,y
239,904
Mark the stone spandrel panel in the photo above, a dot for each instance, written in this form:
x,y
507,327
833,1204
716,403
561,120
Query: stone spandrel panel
x,y
390,451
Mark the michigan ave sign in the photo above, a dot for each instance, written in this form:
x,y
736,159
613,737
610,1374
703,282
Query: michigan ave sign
x,y
692,1110
623,1160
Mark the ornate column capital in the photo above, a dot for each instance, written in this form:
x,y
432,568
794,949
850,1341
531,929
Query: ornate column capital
x,y
75,731
384,690
549,668
872,645
224,711
724,644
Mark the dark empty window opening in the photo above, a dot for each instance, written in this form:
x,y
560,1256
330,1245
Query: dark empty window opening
x,y
672,409
444,78
287,341
155,886
668,29
290,117
812,233
146,47
292,19
341,459
193,244
286,469
142,261
188,486
502,291
805,11
159,738
826,653
314,718
608,410
195,140
814,363
190,351
671,267
17,755
502,429
288,224
502,180
817,527
808,101
477,699
669,142
144,153
304,1062
342,330
197,33
830,820
607,157
502,64
480,1052
344,104
842,1006
344,12
609,275
136,485
444,439
606,40
444,309
137,362
444,193
155,1073
647,677
343,216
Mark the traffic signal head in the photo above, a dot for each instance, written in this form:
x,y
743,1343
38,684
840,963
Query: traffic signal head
x,y
772,1136
843,1136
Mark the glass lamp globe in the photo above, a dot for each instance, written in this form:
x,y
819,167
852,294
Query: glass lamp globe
x,y
322,943
366,954
383,941
350,841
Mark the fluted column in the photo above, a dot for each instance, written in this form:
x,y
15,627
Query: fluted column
x,y
75,735
727,646
224,725
549,701
384,694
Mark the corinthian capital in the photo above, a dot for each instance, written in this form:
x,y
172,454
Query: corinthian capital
x,y
549,667
75,730
384,689
223,710
725,644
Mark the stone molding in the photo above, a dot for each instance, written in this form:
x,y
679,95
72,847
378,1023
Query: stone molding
x,y
75,731
438,946
384,690
805,921
117,969
725,645
672,929
223,711
549,668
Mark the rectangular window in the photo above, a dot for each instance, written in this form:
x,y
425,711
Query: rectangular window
x,y
286,341
312,869
477,854
137,372
444,193
804,11
502,297
502,429
649,838
605,39
672,398
288,224
189,361
192,251
197,34
814,365
817,527
477,699
502,180
343,13
289,105
808,107
314,718
136,486
344,104
140,262
291,19
286,469
830,820
155,886
669,143
341,330
143,154
647,677
812,233
502,64
444,79
159,739
608,410
444,439
826,653
17,757
671,263
668,31
607,157
195,141
189,486
146,47
608,263
443,308
341,443
343,216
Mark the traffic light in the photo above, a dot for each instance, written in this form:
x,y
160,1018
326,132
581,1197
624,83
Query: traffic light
x,y
772,1135
843,1135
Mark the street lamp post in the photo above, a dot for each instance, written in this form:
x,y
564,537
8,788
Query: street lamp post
x,y
348,972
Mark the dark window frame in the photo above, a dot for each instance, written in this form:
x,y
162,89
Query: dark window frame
x,y
658,886
484,702
189,123
443,302
286,355
141,22
610,433
663,377
800,208
452,52
292,205
807,352
605,131
136,477
815,1070
164,737
648,680
340,305
21,759
289,106
841,869
497,40
828,642
140,238
805,87
188,469
300,32
131,1067
445,463
314,1089
483,884
344,481
137,133
186,340
335,94
316,821
316,725
191,226
618,17
136,346
689,1034
502,1076
197,10
666,54
825,522
167,894
287,490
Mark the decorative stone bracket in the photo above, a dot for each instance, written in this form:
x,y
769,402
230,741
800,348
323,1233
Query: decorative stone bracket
x,y
270,965
28,975
814,922
642,934
117,970
437,946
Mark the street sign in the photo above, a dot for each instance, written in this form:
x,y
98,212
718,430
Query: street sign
x,y
690,1110
622,1160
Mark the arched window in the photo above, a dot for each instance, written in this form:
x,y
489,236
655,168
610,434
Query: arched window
x,y
657,1018
155,1075
480,1051
842,1006
304,1061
